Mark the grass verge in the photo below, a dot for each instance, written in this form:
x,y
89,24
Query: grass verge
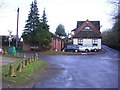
x,y
12,56
27,73
59,53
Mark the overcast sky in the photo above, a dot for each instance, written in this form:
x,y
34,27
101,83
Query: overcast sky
x,y
66,12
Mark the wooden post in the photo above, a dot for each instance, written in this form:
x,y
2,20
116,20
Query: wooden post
x,y
11,71
24,55
26,62
29,60
37,56
32,59
34,56
19,68
23,64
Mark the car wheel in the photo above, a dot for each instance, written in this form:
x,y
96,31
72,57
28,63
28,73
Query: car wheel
x,y
63,50
76,50
95,50
86,50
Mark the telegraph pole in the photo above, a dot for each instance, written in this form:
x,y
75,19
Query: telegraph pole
x,y
17,27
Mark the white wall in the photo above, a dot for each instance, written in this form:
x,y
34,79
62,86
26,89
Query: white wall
x,y
99,43
88,42
75,41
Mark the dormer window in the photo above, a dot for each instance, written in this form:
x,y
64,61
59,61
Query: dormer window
x,y
87,28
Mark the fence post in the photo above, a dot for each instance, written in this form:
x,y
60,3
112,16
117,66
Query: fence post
x,y
37,56
23,64
34,56
11,71
29,60
19,68
26,62
32,59
24,55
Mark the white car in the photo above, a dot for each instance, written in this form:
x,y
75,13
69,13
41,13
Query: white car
x,y
88,48
94,48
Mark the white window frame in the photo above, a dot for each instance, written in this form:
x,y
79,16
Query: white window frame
x,y
95,42
80,42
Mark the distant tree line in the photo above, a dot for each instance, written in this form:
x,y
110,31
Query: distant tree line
x,y
111,37
60,32
5,40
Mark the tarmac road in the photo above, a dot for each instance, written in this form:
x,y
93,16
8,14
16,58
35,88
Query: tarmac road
x,y
82,71
6,60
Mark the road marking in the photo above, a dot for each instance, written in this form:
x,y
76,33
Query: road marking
x,y
105,58
117,59
70,78
108,58
84,53
115,54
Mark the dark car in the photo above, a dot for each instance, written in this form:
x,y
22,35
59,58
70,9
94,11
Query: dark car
x,y
71,48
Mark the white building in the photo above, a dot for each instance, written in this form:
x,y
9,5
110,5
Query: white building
x,y
87,33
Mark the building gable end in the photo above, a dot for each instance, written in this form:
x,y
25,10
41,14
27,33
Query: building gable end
x,y
85,24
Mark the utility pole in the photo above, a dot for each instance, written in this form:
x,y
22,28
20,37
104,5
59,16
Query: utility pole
x,y
17,27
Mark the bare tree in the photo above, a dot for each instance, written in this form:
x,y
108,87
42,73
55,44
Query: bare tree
x,y
112,37
1,3
116,5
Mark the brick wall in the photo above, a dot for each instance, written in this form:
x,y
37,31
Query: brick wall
x,y
56,44
26,46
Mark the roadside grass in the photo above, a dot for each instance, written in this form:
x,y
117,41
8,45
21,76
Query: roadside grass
x,y
12,56
27,73
68,53
59,53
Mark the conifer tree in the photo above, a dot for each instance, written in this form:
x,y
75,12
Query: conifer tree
x,y
43,35
44,21
36,30
31,24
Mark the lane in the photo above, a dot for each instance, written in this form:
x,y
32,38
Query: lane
x,y
83,71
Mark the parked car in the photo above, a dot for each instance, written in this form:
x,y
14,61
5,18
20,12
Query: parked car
x,y
88,48
94,48
1,50
71,48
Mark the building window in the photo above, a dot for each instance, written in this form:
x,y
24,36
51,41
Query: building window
x,y
87,28
80,42
95,42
